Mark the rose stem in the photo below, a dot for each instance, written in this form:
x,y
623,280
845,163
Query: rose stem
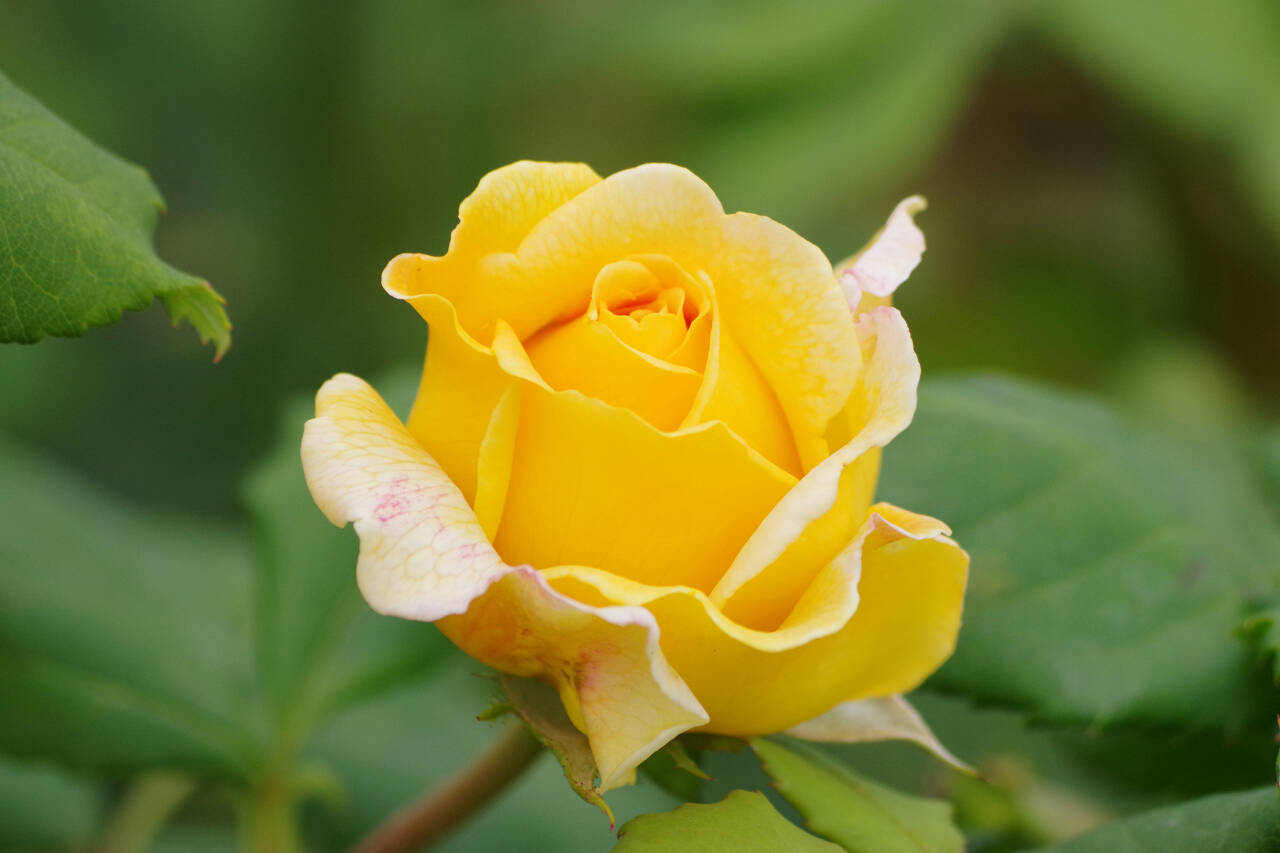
x,y
450,803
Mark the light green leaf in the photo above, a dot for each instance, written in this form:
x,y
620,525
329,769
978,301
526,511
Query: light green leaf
x,y
1247,822
858,814
743,822
320,647
1111,565
125,633
75,235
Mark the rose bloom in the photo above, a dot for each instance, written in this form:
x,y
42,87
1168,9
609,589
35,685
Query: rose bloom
x,y
641,461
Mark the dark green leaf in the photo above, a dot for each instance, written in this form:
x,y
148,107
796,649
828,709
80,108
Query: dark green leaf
x,y
75,235
1247,822
743,822
1111,566
124,635
858,814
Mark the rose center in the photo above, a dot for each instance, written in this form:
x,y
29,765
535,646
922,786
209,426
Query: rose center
x,y
650,303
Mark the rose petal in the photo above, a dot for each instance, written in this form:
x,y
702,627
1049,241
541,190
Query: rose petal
x,y
887,618
423,555
817,518
887,260
777,293
594,485
881,718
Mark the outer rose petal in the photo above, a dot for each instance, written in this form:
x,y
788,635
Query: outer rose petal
x,y
886,261
883,616
882,718
423,555
818,517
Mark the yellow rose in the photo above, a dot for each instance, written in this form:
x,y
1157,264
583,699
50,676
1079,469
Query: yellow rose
x,y
641,462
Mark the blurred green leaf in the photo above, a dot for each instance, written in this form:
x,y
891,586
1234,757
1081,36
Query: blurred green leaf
x,y
1247,822
1111,565
75,235
903,76
743,822
1268,457
858,814
123,633
42,808
320,647
1210,69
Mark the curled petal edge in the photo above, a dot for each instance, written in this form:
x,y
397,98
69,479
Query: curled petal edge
x,y
891,376
424,556
827,631
881,718
889,259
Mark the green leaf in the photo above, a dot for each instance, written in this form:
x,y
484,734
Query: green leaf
x,y
1263,629
539,705
1111,565
75,235
42,808
858,814
320,647
743,822
125,632
1247,822
1268,457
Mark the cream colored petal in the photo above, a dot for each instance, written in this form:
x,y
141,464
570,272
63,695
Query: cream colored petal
x,y
424,555
881,718
888,392
887,260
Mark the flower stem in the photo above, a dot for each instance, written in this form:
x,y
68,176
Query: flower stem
x,y
446,807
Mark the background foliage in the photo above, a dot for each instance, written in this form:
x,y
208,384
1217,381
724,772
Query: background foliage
x,y
1104,185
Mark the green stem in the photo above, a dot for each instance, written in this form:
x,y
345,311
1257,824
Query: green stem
x,y
143,812
270,824
447,806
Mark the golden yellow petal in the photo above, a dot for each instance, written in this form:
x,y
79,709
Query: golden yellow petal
x,y
823,512
585,355
889,617
778,297
460,387
595,485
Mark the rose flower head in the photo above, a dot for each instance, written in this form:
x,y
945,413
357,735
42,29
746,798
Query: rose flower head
x,y
641,462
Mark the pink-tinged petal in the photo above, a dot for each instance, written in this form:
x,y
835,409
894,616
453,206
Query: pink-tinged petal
x,y
424,555
888,259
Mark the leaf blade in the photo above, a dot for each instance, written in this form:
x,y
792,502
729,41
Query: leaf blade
x,y
75,235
